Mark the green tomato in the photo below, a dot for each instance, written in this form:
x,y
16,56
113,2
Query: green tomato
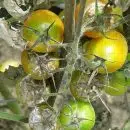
x,y
127,82
128,56
5,65
115,89
78,85
117,84
77,115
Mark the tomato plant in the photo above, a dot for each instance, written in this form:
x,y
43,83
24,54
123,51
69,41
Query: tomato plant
x,y
90,11
41,29
37,67
113,15
77,115
113,48
11,62
117,84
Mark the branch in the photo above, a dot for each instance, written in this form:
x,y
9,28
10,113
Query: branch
x,y
69,20
73,56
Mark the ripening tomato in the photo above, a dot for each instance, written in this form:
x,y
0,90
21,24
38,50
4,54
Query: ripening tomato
x,y
35,30
77,115
113,48
11,62
117,84
38,68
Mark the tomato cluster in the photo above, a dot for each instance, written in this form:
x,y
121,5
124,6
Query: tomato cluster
x,y
43,31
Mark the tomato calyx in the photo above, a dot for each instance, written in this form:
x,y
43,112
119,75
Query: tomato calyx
x,y
44,37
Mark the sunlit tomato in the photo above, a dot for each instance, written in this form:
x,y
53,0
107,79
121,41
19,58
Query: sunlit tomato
x,y
36,25
11,62
38,67
77,115
113,48
117,84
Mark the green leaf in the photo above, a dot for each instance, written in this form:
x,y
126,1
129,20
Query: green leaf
x,y
127,126
12,117
128,56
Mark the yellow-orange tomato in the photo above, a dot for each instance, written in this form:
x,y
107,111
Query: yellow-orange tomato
x,y
113,48
38,68
40,20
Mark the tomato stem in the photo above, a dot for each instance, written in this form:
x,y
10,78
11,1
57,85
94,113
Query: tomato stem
x,y
72,56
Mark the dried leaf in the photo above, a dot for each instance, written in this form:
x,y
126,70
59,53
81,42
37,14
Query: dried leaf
x,y
14,9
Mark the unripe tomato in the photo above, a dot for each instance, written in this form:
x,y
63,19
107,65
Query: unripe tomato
x,y
113,48
78,85
37,68
77,115
115,89
40,20
11,62
117,84
127,82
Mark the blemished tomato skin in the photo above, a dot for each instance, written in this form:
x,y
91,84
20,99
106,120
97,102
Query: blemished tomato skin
x,y
113,48
77,115
40,20
31,66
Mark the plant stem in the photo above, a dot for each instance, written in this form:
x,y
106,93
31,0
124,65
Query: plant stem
x,y
73,39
